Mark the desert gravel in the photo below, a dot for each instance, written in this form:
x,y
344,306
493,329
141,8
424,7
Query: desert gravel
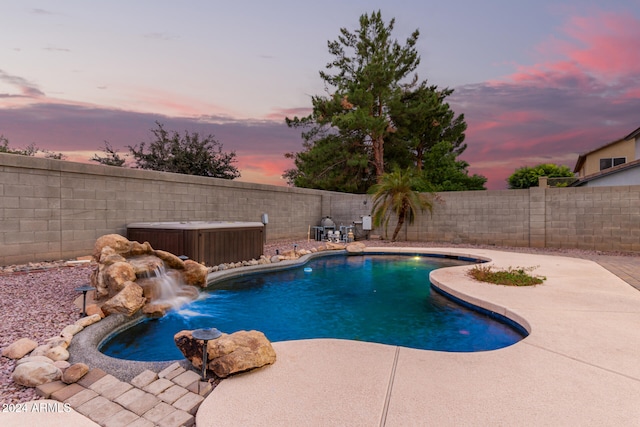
x,y
35,304
37,299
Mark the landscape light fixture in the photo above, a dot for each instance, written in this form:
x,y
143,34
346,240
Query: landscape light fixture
x,y
84,289
205,335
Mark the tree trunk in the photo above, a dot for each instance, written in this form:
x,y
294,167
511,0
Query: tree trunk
x,y
378,156
401,216
419,156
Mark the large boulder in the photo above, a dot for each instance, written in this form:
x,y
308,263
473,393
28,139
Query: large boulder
x,y
127,301
117,275
33,374
94,309
138,248
171,260
97,281
116,242
229,354
109,279
195,274
108,256
356,247
19,349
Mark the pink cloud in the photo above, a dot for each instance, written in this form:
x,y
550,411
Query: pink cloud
x,y
558,74
632,93
264,169
605,46
484,126
612,43
172,104
520,116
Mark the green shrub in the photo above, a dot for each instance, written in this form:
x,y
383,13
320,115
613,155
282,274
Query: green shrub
x,y
518,276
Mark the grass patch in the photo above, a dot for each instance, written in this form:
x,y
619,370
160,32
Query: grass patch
x,y
518,276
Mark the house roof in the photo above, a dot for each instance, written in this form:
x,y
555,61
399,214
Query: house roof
x,y
583,157
605,172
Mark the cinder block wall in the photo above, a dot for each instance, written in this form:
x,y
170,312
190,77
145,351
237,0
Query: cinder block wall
x,y
600,218
51,209
479,217
593,218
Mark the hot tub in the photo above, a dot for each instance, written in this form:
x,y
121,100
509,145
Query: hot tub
x,y
208,242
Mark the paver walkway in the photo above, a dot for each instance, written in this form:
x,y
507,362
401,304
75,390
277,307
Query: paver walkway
x,y
625,267
169,398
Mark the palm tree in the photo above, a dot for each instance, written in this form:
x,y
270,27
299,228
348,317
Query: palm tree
x,y
395,194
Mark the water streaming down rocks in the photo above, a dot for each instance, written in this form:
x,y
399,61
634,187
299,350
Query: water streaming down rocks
x,y
168,288
163,288
133,276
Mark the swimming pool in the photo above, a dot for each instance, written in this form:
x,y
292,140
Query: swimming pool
x,y
377,298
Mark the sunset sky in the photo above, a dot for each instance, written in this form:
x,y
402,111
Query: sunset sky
x,y
537,82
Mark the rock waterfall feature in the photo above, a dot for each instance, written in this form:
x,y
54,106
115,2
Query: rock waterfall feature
x,y
133,276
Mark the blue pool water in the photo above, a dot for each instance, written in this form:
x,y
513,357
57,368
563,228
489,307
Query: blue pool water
x,y
377,298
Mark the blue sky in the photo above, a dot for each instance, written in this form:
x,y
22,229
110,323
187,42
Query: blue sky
x,y
537,82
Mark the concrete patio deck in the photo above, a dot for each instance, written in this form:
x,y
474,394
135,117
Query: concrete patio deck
x,y
580,365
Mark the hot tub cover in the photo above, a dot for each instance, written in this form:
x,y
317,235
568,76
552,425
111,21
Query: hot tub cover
x,y
194,225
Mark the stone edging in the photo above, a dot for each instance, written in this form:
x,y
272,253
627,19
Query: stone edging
x,y
85,344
